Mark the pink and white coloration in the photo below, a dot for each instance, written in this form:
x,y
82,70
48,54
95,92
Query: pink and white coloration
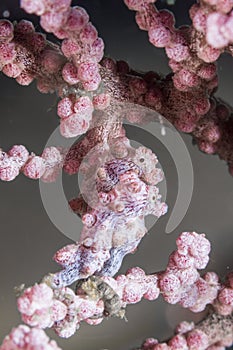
x,y
61,309
17,159
75,114
76,64
206,335
119,187
214,20
80,45
38,308
65,310
117,194
12,162
24,338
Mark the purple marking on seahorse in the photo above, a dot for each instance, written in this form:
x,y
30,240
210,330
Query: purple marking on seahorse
x,y
114,168
113,264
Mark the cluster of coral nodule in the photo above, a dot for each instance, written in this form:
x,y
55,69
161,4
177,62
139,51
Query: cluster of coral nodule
x,y
97,297
119,192
119,187
116,195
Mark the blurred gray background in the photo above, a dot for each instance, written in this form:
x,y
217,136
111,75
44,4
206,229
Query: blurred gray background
x,y
29,239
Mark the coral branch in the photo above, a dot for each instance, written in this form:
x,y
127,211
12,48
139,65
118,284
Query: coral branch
x,y
117,193
215,332
197,112
17,159
119,187
23,338
192,52
103,295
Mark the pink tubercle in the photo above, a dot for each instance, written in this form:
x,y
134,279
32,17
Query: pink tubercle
x,y
7,52
197,339
159,36
23,338
88,34
73,126
6,30
70,47
65,107
34,168
32,6
70,73
87,71
77,19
